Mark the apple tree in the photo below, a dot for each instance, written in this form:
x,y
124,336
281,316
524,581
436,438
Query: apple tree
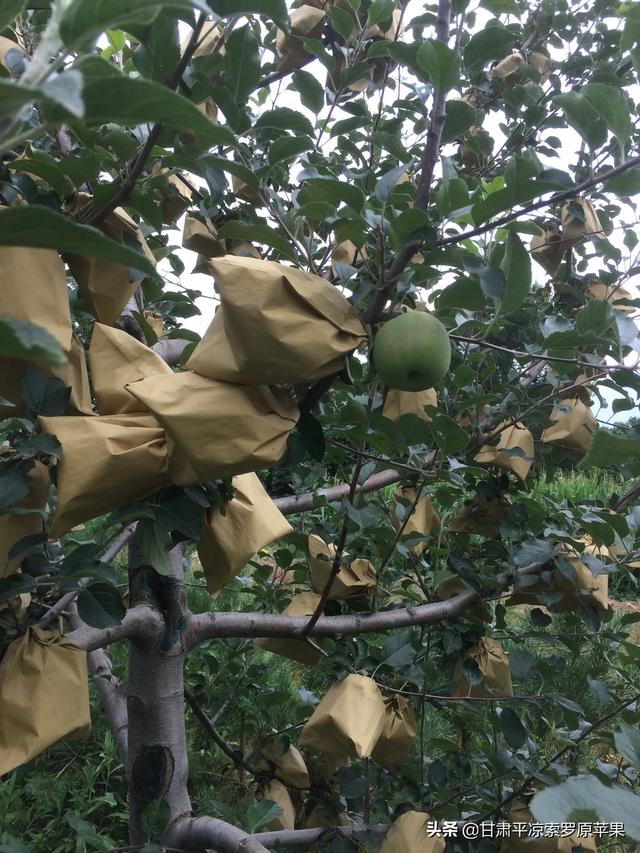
x,y
306,309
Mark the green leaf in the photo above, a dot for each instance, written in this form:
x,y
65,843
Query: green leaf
x,y
488,44
516,266
341,21
15,585
43,228
447,434
274,9
587,794
261,814
379,10
9,10
514,732
154,543
242,63
310,90
155,817
82,21
158,53
331,190
583,117
596,317
19,339
284,118
257,233
43,395
15,95
626,184
613,108
441,63
460,116
387,183
100,605
627,740
14,480
288,147
607,449
110,97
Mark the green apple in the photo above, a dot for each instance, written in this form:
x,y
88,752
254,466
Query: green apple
x,y
412,352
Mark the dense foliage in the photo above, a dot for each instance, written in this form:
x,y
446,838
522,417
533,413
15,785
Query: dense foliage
x,y
478,159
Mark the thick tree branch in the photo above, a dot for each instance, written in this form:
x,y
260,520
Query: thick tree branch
x,y
199,833
306,837
141,623
291,504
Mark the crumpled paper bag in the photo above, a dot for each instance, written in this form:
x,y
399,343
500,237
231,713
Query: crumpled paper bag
x,y
277,325
287,765
481,516
349,719
251,521
116,358
450,587
589,588
398,403
574,227
507,69
347,252
277,793
611,293
107,460
542,63
44,696
494,666
33,288
398,735
14,610
548,249
354,580
572,426
202,237
409,833
220,428
174,197
15,526
299,650
73,374
423,520
306,22
156,322
108,286
513,437
519,813
209,36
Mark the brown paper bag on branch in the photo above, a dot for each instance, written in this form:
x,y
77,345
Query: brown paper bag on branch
x,y
423,520
354,580
494,666
507,69
347,252
514,437
277,325
450,587
220,428
548,249
116,359
611,293
174,197
572,426
277,793
44,696
579,220
348,720
106,461
33,288
285,764
201,237
306,22
298,650
251,521
519,813
481,516
398,735
108,286
409,833
398,403
589,588
15,526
